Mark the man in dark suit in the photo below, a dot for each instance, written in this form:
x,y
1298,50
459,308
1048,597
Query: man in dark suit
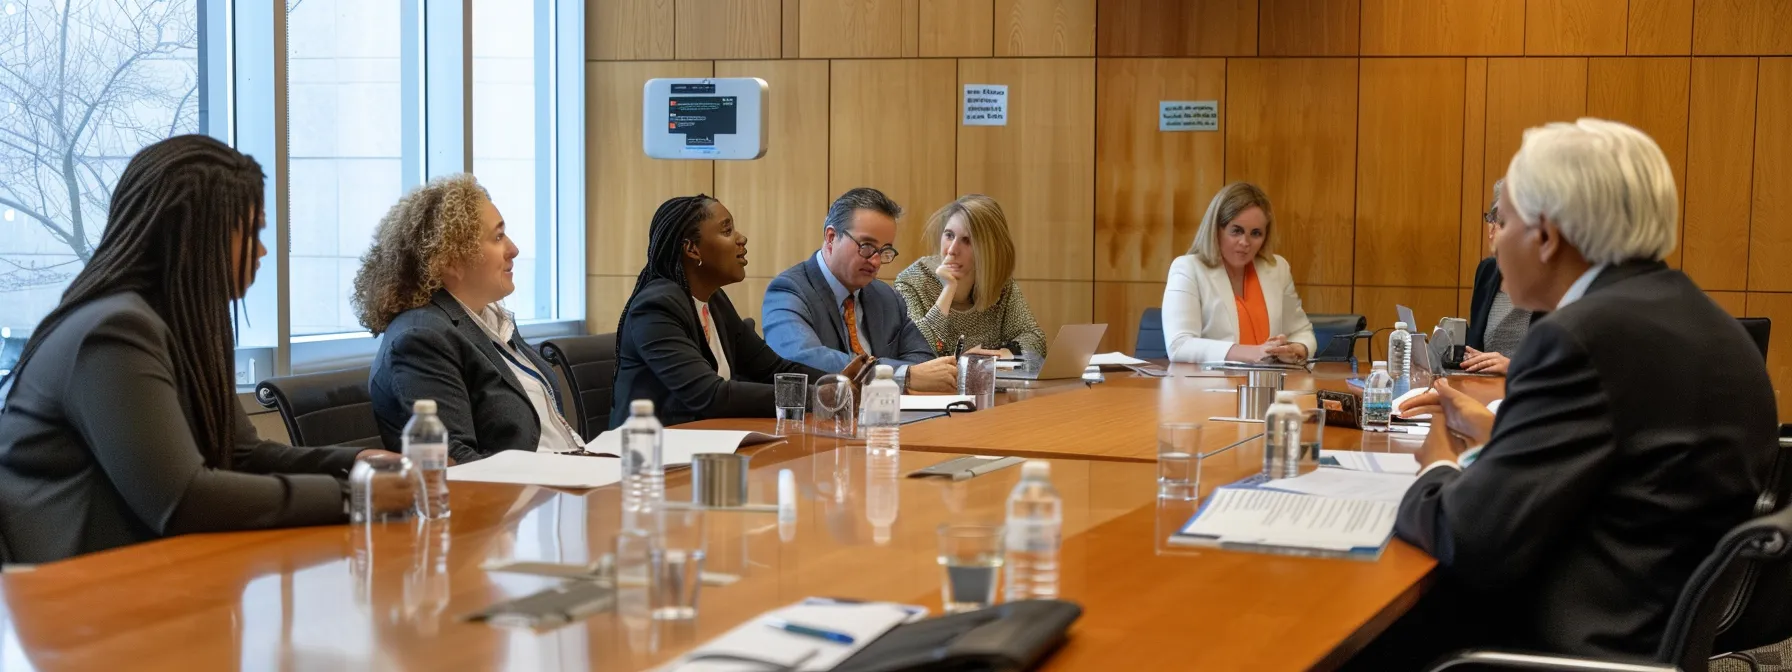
x,y
827,309
1638,424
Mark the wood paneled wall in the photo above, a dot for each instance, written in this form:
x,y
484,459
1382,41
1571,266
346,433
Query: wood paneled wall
x,y
1377,126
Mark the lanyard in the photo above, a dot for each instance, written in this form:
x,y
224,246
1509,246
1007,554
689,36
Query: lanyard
x,y
553,394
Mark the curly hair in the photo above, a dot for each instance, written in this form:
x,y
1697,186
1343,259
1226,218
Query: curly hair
x,y
429,230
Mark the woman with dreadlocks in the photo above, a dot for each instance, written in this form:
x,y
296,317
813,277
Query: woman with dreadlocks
x,y
120,423
680,342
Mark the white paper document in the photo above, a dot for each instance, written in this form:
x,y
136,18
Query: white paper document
x,y
1114,359
758,639
678,445
1251,516
527,467
934,402
1347,484
1381,463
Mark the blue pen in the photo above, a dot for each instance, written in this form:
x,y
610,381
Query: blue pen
x,y
807,631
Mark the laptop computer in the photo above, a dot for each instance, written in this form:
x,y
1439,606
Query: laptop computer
x,y
1428,353
1067,357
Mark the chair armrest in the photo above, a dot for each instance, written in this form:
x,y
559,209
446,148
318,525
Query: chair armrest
x,y
1467,661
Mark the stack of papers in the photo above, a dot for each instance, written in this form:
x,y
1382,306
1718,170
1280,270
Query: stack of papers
x,y
1381,463
935,402
1114,359
678,445
556,470
1347,484
1288,522
759,640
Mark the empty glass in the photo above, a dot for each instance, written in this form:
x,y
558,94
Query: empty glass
x,y
1179,461
834,411
971,558
1312,437
977,378
676,566
791,394
384,489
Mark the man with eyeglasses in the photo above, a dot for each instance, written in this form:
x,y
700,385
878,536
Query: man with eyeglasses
x,y
828,309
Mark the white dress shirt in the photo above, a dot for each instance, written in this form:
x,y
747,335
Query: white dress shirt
x,y
714,341
556,435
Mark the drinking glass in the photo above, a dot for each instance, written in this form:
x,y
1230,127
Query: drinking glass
x,y
835,413
1179,461
1312,438
676,566
977,378
791,392
388,488
971,557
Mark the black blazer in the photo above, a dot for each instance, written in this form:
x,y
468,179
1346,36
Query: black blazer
x,y
1487,284
664,358
1639,425
436,351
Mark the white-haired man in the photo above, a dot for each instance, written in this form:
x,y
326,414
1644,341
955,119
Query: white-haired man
x,y
1638,424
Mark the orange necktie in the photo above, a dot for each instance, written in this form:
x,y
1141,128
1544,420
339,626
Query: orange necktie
x,y
852,326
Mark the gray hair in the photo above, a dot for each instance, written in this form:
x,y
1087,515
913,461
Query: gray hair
x,y
1606,185
858,198
1494,205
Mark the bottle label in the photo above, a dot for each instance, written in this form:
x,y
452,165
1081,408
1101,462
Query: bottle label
x,y
1377,412
427,455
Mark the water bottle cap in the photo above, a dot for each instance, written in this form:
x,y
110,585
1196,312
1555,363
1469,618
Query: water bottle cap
x,y
885,371
640,407
1401,326
1285,397
880,535
1379,364
423,407
1040,468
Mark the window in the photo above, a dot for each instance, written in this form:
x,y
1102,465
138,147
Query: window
x,y
507,138
128,77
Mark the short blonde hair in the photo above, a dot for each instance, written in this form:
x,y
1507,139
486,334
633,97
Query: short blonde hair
x,y
430,229
1606,185
1231,201
990,242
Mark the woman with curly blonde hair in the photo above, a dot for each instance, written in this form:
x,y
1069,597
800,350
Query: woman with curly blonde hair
x,y
431,284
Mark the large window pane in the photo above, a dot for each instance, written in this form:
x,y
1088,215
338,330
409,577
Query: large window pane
x,y
345,146
506,138
70,119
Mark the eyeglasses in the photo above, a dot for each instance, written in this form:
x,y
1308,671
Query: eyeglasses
x,y
1491,216
886,254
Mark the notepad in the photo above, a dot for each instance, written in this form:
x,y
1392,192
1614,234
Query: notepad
x,y
1114,359
1274,521
554,470
935,402
757,640
1384,463
678,445
1347,484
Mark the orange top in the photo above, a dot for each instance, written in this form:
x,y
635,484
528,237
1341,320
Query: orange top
x,y
1253,315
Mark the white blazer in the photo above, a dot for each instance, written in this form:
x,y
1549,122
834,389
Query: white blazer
x,y
1201,320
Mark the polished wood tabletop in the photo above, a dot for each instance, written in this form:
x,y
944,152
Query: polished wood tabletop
x,y
394,596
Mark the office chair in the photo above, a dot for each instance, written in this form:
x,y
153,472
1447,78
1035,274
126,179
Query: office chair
x,y
1150,344
1759,328
1735,600
324,409
1337,334
588,365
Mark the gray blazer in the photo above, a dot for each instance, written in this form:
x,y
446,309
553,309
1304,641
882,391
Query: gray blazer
x,y
96,452
804,324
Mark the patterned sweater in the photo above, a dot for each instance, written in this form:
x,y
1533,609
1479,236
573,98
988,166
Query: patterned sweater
x,y
1009,320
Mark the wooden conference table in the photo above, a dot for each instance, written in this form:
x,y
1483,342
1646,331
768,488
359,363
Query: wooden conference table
x,y
392,597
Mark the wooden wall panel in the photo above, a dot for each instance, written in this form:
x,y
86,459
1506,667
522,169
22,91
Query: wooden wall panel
x,y
617,30
1777,307
604,298
1526,92
729,29
1719,171
858,28
1476,192
1041,166
1291,128
1119,305
749,300
1325,299
1176,28
1660,28
793,24
1650,94
1056,303
1742,27
1428,304
780,199
1575,27
623,187
1736,303
1045,27
1443,27
1408,186
893,126
1770,227
1152,187
957,28
1308,27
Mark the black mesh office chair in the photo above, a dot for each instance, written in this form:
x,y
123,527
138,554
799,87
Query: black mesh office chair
x,y
1150,344
587,364
1735,600
324,409
1759,328
1336,335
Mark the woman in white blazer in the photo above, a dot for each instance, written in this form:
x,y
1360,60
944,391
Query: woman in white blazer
x,y
1231,297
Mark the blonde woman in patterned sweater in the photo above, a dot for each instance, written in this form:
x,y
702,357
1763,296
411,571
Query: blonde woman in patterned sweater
x,y
966,287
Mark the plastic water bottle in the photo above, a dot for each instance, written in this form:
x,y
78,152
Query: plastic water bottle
x,y
1035,522
643,463
1378,399
426,445
1400,358
1281,438
883,412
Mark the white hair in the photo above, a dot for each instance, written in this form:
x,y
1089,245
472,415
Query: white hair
x,y
1606,185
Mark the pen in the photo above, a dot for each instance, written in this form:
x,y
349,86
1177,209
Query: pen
x,y
959,352
807,631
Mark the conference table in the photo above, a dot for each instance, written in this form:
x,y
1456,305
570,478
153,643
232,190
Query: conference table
x,y
394,596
